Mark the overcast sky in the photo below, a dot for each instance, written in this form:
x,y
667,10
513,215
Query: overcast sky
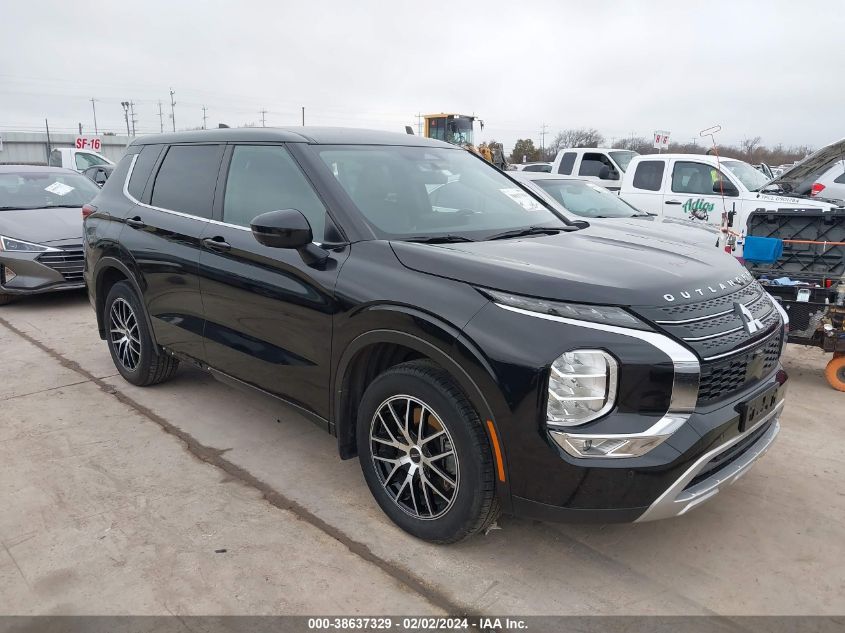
x,y
773,69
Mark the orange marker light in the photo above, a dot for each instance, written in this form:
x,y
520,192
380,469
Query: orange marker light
x,y
497,451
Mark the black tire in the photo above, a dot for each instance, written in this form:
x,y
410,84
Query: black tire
x,y
473,506
4,298
140,364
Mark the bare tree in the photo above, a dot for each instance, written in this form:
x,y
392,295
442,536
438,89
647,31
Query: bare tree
x,y
576,137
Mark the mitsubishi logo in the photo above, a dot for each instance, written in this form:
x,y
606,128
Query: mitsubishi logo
x,y
751,324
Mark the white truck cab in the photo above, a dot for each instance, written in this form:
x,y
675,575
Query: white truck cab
x,y
76,159
702,188
602,165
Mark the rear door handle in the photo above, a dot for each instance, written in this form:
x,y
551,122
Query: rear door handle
x,y
673,202
216,244
136,222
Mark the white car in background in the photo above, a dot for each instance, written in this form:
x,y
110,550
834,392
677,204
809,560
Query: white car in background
x,y
77,159
604,166
536,167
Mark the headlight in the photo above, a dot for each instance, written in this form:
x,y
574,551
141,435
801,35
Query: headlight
x,y
582,387
19,246
608,315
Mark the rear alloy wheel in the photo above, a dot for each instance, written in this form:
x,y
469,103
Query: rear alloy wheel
x,y
425,455
130,342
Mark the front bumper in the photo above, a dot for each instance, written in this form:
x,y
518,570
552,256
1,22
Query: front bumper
x,y
36,273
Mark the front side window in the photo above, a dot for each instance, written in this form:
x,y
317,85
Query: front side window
x,y
694,178
186,179
405,192
84,160
587,199
44,189
265,178
592,163
649,175
566,163
752,179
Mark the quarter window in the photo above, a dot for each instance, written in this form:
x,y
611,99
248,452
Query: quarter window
x,y
143,168
566,163
186,179
649,175
840,179
265,178
695,178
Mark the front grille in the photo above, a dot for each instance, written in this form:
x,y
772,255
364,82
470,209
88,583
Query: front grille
x,y
721,378
714,327
69,261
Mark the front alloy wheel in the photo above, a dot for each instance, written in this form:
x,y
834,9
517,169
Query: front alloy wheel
x,y
414,457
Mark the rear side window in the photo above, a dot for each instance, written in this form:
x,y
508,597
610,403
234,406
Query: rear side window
x,y
649,175
186,179
566,163
265,178
143,168
592,163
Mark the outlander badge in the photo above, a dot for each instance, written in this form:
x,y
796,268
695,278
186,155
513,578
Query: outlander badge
x,y
751,324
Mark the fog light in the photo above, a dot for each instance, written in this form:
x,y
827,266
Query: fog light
x,y
607,446
6,274
582,387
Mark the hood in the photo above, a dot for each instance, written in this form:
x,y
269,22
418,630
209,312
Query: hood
x,y
799,179
603,264
42,226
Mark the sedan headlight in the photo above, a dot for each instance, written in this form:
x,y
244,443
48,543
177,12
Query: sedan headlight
x,y
582,387
19,246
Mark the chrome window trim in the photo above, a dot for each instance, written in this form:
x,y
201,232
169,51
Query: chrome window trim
x,y
684,384
178,213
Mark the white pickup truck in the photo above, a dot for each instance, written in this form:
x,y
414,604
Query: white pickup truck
x,y
76,159
601,165
701,188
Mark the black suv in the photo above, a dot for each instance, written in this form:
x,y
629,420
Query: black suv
x,y
477,349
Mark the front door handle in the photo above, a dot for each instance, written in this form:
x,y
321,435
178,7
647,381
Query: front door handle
x,y
216,244
673,202
136,222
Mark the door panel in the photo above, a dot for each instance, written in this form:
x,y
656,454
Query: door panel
x,y
268,314
689,194
166,248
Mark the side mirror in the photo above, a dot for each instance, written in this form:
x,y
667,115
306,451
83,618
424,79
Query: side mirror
x,y
100,177
288,228
606,173
726,187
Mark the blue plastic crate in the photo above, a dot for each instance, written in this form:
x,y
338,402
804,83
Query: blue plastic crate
x,y
762,250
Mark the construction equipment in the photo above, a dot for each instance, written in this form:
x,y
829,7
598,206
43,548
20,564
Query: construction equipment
x,y
458,130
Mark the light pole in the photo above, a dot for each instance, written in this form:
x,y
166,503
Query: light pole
x,y
94,108
125,105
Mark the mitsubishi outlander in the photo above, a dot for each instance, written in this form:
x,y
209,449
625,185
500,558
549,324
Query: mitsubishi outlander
x,y
479,350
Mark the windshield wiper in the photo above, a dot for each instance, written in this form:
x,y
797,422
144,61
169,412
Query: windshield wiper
x,y
531,230
438,239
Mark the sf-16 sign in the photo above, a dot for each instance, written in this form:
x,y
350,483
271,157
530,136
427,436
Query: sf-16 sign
x,y
88,142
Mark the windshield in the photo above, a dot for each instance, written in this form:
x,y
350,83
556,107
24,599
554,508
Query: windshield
x,y
623,158
406,192
44,189
586,199
751,178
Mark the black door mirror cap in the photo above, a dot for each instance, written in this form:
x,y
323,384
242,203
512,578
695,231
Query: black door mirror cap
x,y
285,228
725,187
